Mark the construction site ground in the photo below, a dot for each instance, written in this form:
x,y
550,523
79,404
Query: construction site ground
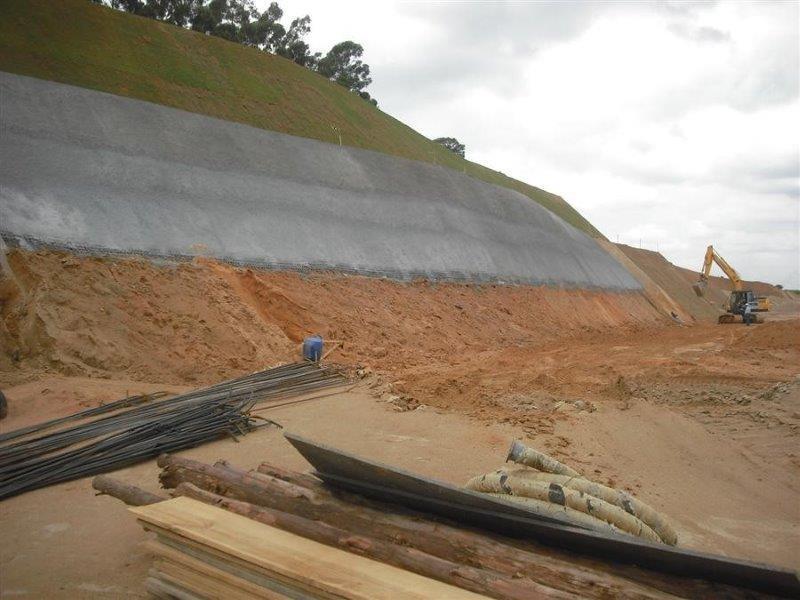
x,y
702,421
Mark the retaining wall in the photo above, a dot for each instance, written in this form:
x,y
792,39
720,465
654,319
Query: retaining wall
x,y
92,171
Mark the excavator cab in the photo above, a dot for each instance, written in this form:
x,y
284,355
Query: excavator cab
x,y
737,303
739,299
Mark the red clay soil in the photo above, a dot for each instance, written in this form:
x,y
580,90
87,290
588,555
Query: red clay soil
x,y
200,322
493,352
676,364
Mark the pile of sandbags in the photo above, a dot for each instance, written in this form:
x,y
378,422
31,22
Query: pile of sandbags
x,y
553,489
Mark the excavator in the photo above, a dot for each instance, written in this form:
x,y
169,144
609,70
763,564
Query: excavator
x,y
739,299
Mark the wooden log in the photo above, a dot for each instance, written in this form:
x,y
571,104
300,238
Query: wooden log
x,y
129,494
303,479
410,559
462,546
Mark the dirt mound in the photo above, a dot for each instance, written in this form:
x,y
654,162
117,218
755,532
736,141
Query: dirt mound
x,y
203,321
677,283
523,355
673,282
537,385
95,317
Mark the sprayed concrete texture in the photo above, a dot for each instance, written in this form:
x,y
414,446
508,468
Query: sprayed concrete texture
x,y
92,171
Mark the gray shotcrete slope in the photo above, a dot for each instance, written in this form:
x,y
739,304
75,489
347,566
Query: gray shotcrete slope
x,y
91,171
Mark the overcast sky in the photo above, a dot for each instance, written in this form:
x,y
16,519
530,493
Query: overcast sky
x,y
673,122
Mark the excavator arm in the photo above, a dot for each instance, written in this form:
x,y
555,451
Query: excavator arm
x,y
711,258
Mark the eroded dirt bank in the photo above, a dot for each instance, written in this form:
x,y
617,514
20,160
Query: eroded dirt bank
x,y
202,321
513,354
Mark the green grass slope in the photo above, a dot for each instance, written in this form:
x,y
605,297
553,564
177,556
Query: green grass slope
x,y
78,43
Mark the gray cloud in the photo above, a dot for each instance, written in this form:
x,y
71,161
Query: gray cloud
x,y
685,8
785,167
486,45
698,34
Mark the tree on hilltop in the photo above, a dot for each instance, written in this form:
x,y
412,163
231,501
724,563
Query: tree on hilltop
x,y
452,144
343,65
293,46
240,21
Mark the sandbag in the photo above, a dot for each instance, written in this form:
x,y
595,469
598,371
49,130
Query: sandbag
x,y
642,511
559,512
521,454
499,482
555,473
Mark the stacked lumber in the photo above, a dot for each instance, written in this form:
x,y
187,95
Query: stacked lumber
x,y
202,551
299,505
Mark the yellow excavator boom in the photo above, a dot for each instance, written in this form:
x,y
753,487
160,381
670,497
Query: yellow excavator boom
x,y
711,258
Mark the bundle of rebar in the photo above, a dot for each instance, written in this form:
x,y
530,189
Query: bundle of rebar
x,y
139,428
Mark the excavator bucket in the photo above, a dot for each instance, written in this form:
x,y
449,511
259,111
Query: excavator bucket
x,y
700,288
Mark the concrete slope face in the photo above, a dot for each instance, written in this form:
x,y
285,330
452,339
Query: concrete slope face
x,y
92,171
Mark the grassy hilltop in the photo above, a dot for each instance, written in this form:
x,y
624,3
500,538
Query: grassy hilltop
x,y
78,43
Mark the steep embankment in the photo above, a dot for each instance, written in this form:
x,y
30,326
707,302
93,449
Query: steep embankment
x,y
677,283
76,42
204,321
87,170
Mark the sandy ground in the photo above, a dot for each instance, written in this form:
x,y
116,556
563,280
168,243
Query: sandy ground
x,y
66,539
701,421
724,496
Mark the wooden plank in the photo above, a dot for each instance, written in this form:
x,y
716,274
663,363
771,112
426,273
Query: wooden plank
x,y
165,553
166,591
200,584
241,568
305,561
302,589
205,582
